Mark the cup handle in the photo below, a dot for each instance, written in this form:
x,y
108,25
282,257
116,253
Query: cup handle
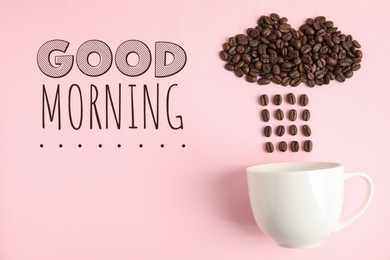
x,y
341,225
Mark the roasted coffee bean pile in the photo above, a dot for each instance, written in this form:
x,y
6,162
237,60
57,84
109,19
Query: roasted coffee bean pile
x,y
274,52
281,130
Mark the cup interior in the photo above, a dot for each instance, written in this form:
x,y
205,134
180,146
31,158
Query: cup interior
x,y
289,167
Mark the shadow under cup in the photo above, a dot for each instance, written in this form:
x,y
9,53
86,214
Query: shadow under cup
x,y
299,204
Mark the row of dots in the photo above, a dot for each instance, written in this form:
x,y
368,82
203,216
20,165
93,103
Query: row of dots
x,y
100,145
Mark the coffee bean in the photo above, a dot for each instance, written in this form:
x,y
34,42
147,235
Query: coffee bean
x,y
306,48
359,54
240,49
282,146
276,79
269,147
348,74
345,62
319,74
309,21
286,81
293,54
246,58
267,131
232,42
320,19
309,31
317,47
224,55
285,28
311,83
263,81
307,59
297,44
303,100
242,39
268,20
291,98
226,46
229,67
264,100
239,73
308,146
232,51
279,115
355,66
265,115
283,20
340,77
328,24
295,74
277,99
294,146
265,68
236,58
356,44
330,61
305,115
286,66
274,17
295,82
310,76
254,72
326,79
306,131
293,130
276,70
239,64
292,115
250,78
280,130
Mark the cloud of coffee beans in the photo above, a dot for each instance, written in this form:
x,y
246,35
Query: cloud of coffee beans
x,y
274,52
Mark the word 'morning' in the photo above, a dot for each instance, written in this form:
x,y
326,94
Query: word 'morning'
x,y
76,104
64,63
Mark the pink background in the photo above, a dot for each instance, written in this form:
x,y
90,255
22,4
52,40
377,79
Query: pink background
x,y
174,202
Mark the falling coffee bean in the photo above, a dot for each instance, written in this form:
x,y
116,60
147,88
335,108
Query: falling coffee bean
x,y
308,146
291,98
294,146
292,115
280,130
267,131
303,100
264,100
277,99
279,114
306,131
265,115
282,146
269,147
293,130
305,115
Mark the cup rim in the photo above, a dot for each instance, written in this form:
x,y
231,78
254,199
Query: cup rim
x,y
293,167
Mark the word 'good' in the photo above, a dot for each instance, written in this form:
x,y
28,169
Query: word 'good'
x,y
61,65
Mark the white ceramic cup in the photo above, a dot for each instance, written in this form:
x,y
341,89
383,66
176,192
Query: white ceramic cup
x,y
298,204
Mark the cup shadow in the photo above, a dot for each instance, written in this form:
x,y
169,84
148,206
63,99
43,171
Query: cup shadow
x,y
231,194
